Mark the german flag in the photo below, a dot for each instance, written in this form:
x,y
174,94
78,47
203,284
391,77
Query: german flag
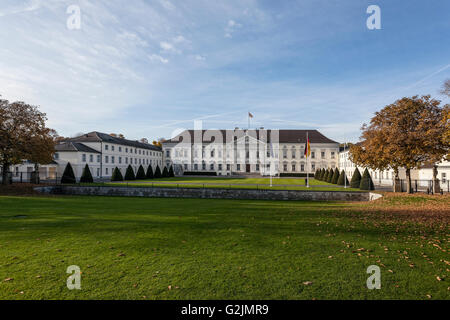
x,y
307,147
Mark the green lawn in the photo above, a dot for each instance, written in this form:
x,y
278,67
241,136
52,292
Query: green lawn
x,y
135,248
234,183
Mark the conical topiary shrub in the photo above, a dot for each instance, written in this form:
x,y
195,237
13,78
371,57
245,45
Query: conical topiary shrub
x,y
330,176
117,175
316,174
171,173
325,175
68,176
322,174
140,175
335,177
157,172
86,177
343,181
129,175
356,179
149,174
366,181
165,173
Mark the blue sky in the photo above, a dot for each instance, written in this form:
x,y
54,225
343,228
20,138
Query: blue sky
x,y
150,68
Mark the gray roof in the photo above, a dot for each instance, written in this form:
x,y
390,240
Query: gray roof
x,y
285,135
103,137
74,147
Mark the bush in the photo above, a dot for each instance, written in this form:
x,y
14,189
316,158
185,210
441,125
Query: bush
x,y
140,175
129,174
316,174
171,172
342,179
335,177
356,179
322,176
200,173
86,177
366,181
149,174
165,173
117,175
68,176
330,175
157,172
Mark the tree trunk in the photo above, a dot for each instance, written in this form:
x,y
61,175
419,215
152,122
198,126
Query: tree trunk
x,y
408,180
436,186
397,186
5,168
35,175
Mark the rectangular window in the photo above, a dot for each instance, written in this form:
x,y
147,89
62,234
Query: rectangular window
x,y
211,166
284,167
284,154
91,158
99,159
332,155
167,153
293,168
120,149
228,167
112,148
313,167
220,166
126,150
257,167
106,159
83,157
293,154
302,167
56,156
195,166
203,166
126,160
106,147
98,172
185,166
112,159
322,154
238,167
120,159
106,170
313,155
444,177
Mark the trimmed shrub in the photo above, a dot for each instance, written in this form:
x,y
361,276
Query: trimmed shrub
x,y
68,176
330,175
140,175
86,177
165,173
129,174
117,175
322,176
325,175
335,177
171,172
342,181
157,172
316,174
366,181
149,174
356,179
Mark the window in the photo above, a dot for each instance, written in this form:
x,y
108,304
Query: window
x,y
98,172
195,166
106,159
99,159
185,166
106,147
112,159
284,153
211,166
220,166
322,154
168,153
106,170
203,166
126,160
228,167
135,151
332,155
238,167
56,157
313,155
257,167
120,159
313,166
444,177
126,150
284,167
268,154
120,149
83,158
293,168
135,160
302,167
112,148
91,158
293,153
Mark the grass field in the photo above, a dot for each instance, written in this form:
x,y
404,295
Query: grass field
x,y
235,183
142,248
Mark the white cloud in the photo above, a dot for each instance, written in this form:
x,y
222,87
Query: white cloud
x,y
156,57
231,28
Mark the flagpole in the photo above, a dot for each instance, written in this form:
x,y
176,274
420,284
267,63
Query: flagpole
x,y
248,115
307,167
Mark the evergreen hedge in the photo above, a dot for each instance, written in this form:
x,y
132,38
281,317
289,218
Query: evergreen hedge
x,y
171,172
157,172
325,175
330,175
149,174
129,174
117,175
322,174
140,175
366,181
68,176
335,177
356,179
343,179
165,172
316,174
86,177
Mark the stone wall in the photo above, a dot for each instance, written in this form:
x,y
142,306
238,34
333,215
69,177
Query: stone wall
x,y
210,193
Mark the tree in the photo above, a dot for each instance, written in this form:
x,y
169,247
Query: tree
x,y
68,176
366,181
322,174
149,174
140,175
342,179
335,177
129,174
23,135
406,134
316,174
446,88
356,179
157,172
171,172
330,176
325,176
86,176
165,173
117,175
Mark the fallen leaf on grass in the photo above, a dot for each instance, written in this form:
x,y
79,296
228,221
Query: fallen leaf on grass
x,y
8,279
307,283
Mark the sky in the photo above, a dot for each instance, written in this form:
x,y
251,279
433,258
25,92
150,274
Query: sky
x,y
151,68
